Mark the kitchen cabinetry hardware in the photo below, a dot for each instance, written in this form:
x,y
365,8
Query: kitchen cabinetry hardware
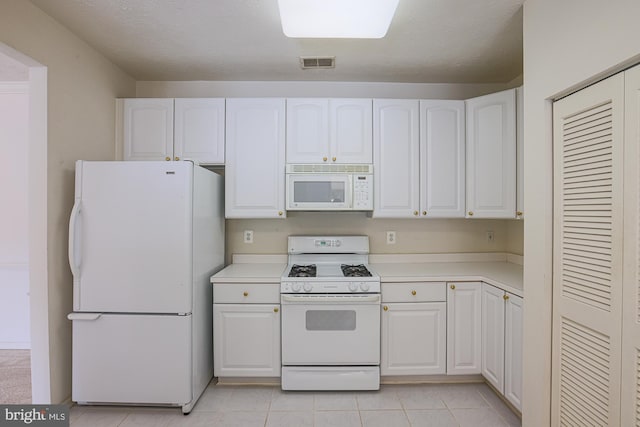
x,y
385,308
415,213
413,292
276,309
279,213
519,213
333,159
424,213
167,158
324,159
453,287
245,293
505,297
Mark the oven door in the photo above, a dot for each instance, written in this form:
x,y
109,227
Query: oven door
x,y
319,192
330,330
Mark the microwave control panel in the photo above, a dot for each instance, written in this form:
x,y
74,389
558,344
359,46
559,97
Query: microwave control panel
x,y
363,192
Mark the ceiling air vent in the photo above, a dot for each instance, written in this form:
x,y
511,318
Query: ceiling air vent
x,y
316,62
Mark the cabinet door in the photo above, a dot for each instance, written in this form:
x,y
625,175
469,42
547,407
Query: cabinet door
x,y
493,336
148,129
491,155
513,350
254,169
246,340
520,152
351,128
442,159
199,130
463,328
307,130
413,339
395,158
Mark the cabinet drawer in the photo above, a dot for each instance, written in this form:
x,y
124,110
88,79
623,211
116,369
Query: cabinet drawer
x,y
246,293
414,292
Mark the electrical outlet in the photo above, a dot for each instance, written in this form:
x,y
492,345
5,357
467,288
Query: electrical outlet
x,y
391,237
248,236
490,236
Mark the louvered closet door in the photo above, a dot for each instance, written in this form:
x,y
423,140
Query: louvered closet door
x,y
587,281
631,292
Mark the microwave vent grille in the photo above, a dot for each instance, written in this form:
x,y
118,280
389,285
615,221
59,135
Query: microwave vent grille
x,y
321,168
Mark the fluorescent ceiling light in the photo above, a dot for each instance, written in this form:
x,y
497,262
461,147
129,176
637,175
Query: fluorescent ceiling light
x,y
358,19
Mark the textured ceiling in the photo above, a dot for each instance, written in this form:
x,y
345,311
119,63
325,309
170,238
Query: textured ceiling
x,y
431,41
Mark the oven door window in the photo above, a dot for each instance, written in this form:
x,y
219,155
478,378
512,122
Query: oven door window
x,y
330,320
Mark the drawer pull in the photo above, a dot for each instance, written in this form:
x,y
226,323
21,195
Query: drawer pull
x,y
385,308
275,310
245,293
453,287
413,292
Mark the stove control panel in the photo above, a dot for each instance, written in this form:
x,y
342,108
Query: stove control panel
x,y
328,243
329,287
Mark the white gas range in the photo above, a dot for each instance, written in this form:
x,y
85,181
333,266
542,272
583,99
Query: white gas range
x,y
330,315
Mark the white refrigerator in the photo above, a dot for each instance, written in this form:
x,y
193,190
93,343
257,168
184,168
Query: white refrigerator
x,y
144,239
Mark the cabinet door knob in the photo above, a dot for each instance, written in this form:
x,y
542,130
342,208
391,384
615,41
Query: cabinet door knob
x,y
415,213
333,159
276,309
519,213
245,293
505,296
413,292
385,308
167,158
470,213
424,213
452,287
279,213
324,159
177,158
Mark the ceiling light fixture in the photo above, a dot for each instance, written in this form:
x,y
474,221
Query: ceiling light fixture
x,y
357,19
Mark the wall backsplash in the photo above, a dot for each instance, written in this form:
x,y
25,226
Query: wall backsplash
x,y
413,236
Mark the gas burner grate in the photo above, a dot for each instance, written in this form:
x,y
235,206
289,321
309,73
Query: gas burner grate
x,y
355,270
298,270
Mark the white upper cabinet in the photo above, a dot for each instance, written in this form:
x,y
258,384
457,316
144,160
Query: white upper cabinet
x,y
255,164
520,152
396,158
147,129
442,159
491,155
168,129
199,129
321,130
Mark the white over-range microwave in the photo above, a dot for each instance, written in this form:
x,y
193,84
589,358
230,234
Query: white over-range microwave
x,y
334,187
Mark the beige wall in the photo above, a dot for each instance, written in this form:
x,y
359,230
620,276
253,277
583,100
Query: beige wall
x,y
413,236
515,237
82,86
567,44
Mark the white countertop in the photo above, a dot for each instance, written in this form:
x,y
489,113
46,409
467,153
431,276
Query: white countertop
x,y
250,273
505,275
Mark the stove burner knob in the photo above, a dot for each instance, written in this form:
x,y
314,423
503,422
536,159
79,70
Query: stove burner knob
x,y
295,287
364,286
307,287
353,287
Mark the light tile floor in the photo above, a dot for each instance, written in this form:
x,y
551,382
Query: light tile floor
x,y
247,406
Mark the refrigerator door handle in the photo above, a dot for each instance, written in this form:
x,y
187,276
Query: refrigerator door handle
x,y
75,212
84,316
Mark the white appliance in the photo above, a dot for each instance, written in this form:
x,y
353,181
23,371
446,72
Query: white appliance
x,y
330,315
144,239
335,187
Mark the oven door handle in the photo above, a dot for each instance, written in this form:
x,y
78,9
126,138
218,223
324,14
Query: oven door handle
x,y
336,299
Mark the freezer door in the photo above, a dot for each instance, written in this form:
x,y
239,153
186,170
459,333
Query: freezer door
x,y
124,358
130,237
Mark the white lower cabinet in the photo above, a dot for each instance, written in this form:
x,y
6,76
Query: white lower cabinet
x,y
502,342
413,329
464,343
513,350
246,330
